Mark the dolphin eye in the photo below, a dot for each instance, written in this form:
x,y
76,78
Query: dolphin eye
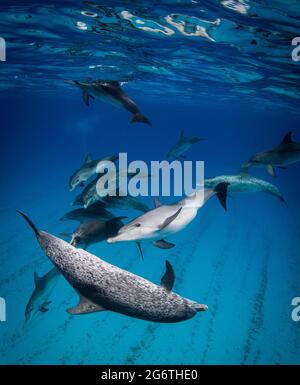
x,y
138,225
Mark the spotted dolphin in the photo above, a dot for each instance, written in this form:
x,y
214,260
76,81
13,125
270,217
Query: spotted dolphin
x,y
110,92
288,152
95,230
93,193
103,286
39,299
244,182
182,145
165,220
89,168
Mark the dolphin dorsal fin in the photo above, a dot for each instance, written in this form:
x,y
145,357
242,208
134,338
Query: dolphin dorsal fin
x,y
287,138
168,279
116,219
170,219
114,83
85,306
244,171
88,159
156,202
36,278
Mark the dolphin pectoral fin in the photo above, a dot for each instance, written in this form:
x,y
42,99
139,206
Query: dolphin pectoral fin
x,y
85,306
36,278
170,219
85,97
287,138
162,244
43,309
140,249
140,118
270,170
168,279
221,191
156,202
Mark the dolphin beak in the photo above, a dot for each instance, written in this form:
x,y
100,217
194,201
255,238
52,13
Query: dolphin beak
x,y
112,240
201,307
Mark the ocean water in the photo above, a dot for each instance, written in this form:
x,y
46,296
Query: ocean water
x,y
220,70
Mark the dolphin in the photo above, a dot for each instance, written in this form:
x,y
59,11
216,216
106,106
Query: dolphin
x,y
89,194
96,210
110,92
92,193
39,300
88,169
183,144
102,286
95,230
165,220
125,202
121,202
243,182
288,152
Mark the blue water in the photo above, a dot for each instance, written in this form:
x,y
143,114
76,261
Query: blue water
x,y
241,96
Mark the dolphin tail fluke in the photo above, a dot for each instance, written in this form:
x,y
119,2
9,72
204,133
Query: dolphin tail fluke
x,y
221,192
36,231
283,201
139,118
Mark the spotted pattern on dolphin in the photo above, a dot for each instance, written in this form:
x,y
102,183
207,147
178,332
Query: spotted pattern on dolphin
x,y
102,286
